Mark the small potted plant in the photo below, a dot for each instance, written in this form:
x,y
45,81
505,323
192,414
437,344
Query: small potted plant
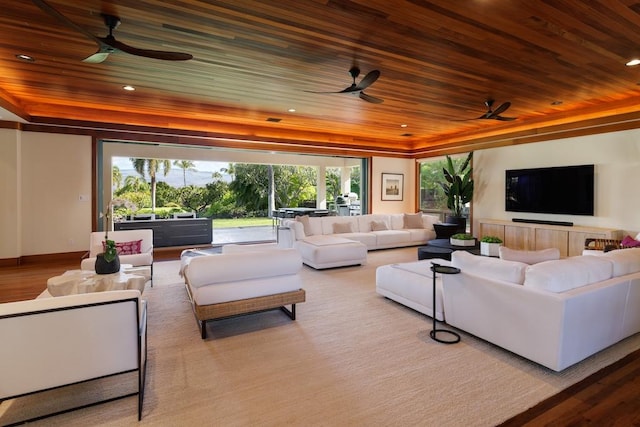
x,y
490,245
462,239
108,261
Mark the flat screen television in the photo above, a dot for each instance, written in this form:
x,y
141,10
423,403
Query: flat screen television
x,y
567,190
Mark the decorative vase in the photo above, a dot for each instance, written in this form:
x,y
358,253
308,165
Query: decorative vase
x,y
459,220
105,267
490,249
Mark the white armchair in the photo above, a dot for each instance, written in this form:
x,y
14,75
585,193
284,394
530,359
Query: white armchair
x,y
144,258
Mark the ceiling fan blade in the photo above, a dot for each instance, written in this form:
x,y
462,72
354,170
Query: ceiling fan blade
x,y
501,109
370,98
504,119
60,17
368,80
96,58
147,53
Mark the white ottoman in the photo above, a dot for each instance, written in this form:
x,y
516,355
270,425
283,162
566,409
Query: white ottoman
x,y
328,251
411,284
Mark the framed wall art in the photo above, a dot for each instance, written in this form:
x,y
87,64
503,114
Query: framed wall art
x,y
392,186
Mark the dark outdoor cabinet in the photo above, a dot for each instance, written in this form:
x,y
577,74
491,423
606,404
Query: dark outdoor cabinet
x,y
173,232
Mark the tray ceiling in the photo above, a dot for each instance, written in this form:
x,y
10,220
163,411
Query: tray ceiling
x,y
561,65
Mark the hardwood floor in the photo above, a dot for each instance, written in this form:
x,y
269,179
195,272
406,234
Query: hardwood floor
x,y
610,397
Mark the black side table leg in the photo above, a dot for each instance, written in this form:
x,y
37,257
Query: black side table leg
x,y
437,268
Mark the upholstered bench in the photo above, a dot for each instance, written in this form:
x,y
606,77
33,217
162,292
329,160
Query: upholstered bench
x,y
329,251
247,281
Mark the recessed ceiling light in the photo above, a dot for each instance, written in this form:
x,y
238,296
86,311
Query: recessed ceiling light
x,y
27,58
633,62
129,88
291,110
403,125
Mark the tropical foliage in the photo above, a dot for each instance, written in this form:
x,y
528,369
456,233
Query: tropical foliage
x,y
458,185
151,167
254,190
434,182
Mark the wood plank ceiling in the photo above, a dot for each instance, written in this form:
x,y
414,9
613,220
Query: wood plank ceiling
x,y
560,63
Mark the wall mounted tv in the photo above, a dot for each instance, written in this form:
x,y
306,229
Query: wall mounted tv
x,y
567,190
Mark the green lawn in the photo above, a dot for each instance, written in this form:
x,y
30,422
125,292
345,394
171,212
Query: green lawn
x,y
241,222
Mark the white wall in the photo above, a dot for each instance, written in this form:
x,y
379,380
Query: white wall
x,y
380,165
55,172
616,157
10,191
43,176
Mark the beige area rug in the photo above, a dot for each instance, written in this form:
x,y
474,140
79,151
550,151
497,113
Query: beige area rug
x,y
353,358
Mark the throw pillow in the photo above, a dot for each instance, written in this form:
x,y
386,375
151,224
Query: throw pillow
x,y
304,220
378,226
413,220
625,261
342,227
568,273
529,257
491,268
630,242
127,248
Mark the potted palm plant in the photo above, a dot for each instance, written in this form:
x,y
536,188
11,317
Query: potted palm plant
x,y
458,187
490,246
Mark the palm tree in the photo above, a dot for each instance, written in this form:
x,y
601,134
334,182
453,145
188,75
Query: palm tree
x,y
151,166
116,177
185,165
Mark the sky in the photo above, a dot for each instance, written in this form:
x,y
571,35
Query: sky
x,y
202,166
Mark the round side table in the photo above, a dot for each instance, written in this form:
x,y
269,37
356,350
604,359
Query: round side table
x,y
442,269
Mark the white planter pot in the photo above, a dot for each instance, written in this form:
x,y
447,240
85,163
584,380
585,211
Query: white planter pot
x,y
490,249
456,242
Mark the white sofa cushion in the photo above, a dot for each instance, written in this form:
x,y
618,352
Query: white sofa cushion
x,y
529,257
492,268
234,267
391,238
569,273
625,261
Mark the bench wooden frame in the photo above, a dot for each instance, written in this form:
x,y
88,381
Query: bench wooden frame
x,y
224,310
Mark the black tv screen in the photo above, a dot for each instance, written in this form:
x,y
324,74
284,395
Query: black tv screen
x,y
565,190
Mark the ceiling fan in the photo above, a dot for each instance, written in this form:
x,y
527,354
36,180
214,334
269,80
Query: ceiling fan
x,y
109,44
495,114
358,88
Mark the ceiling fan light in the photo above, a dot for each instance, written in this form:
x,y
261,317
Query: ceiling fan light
x,y
129,88
633,62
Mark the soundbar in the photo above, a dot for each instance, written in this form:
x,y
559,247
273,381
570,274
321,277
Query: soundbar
x,y
542,221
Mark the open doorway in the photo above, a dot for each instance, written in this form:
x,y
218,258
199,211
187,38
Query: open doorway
x,y
239,197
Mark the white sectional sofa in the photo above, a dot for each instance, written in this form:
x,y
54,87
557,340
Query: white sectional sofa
x,y
334,241
51,342
244,280
555,312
